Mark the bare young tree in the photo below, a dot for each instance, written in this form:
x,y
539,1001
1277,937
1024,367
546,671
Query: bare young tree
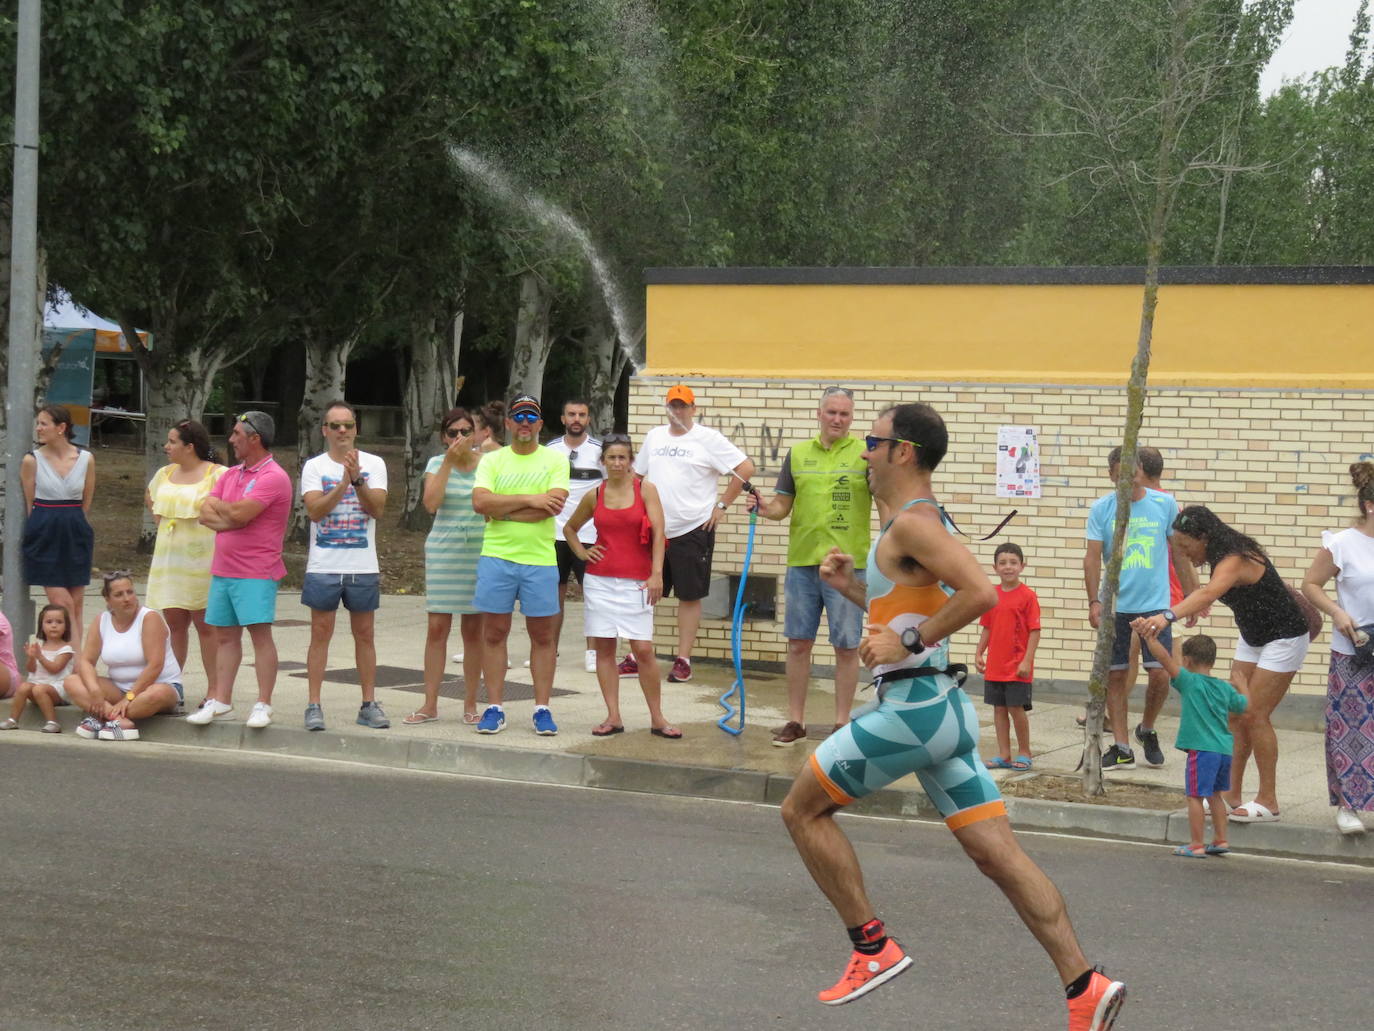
x,y
1144,95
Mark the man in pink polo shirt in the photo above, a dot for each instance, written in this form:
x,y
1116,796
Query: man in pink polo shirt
x,y
248,509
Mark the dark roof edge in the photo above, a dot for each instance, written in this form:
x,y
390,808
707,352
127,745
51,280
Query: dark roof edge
x,y
994,275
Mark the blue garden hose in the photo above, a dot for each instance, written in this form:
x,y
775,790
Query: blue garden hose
x,y
737,632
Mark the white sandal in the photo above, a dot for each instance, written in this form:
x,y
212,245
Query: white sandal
x,y
1253,812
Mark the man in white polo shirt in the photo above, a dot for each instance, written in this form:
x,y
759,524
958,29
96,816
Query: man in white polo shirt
x,y
586,472
685,462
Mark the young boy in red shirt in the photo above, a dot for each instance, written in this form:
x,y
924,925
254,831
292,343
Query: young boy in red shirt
x,y
1006,658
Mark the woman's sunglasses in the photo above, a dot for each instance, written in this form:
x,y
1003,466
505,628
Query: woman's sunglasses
x,y
453,433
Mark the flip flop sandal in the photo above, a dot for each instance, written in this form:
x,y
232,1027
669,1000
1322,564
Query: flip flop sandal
x,y
471,718
671,733
1021,762
1218,848
416,718
1188,852
606,730
997,763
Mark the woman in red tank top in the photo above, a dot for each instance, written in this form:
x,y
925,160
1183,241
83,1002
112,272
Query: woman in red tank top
x,y
624,580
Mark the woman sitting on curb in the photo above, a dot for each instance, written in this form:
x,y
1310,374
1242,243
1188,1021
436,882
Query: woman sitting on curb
x,y
144,677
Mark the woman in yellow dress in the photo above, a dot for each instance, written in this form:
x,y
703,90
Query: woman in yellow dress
x,y
179,578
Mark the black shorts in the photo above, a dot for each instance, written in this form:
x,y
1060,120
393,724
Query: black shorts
x,y
1008,693
687,564
568,563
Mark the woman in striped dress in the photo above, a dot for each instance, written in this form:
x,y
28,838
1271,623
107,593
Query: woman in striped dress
x,y
451,551
179,577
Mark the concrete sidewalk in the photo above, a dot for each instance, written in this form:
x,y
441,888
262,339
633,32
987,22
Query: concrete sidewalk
x,y
706,761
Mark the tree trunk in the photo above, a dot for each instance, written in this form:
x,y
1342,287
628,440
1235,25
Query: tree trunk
x,y
430,391
178,385
326,366
532,338
605,362
1166,190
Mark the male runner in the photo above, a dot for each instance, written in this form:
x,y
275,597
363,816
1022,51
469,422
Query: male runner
x,y
923,585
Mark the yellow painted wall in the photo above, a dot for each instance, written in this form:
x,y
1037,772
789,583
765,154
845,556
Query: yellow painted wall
x,y
1308,336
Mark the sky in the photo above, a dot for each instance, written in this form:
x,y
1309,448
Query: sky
x,y
1317,38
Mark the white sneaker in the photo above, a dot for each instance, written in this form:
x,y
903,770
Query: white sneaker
x,y
211,710
457,656
589,661
260,716
1347,822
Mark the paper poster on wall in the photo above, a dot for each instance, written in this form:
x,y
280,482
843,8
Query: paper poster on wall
x,y
1018,462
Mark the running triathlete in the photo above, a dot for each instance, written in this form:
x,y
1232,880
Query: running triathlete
x,y
923,585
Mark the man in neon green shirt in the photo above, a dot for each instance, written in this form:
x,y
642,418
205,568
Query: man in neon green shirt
x,y
823,488
519,488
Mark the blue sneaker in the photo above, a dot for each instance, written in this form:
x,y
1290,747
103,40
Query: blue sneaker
x,y
493,720
544,724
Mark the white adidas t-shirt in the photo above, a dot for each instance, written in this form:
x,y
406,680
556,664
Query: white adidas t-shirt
x,y
686,469
344,541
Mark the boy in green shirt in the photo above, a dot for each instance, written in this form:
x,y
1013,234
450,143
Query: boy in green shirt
x,y
1203,732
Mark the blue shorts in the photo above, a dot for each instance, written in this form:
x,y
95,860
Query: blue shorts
x,y
236,602
500,584
1121,645
806,594
1206,774
924,726
359,592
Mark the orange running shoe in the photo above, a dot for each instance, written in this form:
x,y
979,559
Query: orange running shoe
x,y
1098,1007
865,973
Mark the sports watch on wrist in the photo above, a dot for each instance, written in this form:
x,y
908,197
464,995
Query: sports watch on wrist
x,y
911,640
1168,615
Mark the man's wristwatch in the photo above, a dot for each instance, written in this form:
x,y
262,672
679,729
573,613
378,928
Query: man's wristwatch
x,y
722,505
358,482
1168,615
911,640
129,696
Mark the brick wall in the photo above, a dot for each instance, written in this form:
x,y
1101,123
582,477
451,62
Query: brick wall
x,y
1272,463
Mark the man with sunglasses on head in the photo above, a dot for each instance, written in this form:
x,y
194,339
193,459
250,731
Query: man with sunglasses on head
x,y
584,465
248,509
822,488
344,492
922,587
520,488
685,461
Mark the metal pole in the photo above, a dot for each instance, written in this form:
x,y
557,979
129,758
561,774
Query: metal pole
x,y
24,326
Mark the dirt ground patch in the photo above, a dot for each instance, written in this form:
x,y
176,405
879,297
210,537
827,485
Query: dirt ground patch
x,y
1051,787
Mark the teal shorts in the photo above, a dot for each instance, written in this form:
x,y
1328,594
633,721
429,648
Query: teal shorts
x,y
237,602
926,726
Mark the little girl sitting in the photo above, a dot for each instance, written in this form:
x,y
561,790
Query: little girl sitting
x,y
50,663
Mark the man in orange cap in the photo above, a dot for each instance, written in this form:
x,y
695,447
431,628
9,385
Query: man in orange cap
x,y
685,461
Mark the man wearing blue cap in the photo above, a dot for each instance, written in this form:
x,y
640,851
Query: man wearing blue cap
x,y
520,488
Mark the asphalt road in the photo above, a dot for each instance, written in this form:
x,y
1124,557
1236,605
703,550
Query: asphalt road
x,y
154,887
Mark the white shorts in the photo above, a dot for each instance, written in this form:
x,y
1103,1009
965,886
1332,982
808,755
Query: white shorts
x,y
56,685
616,606
1282,656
